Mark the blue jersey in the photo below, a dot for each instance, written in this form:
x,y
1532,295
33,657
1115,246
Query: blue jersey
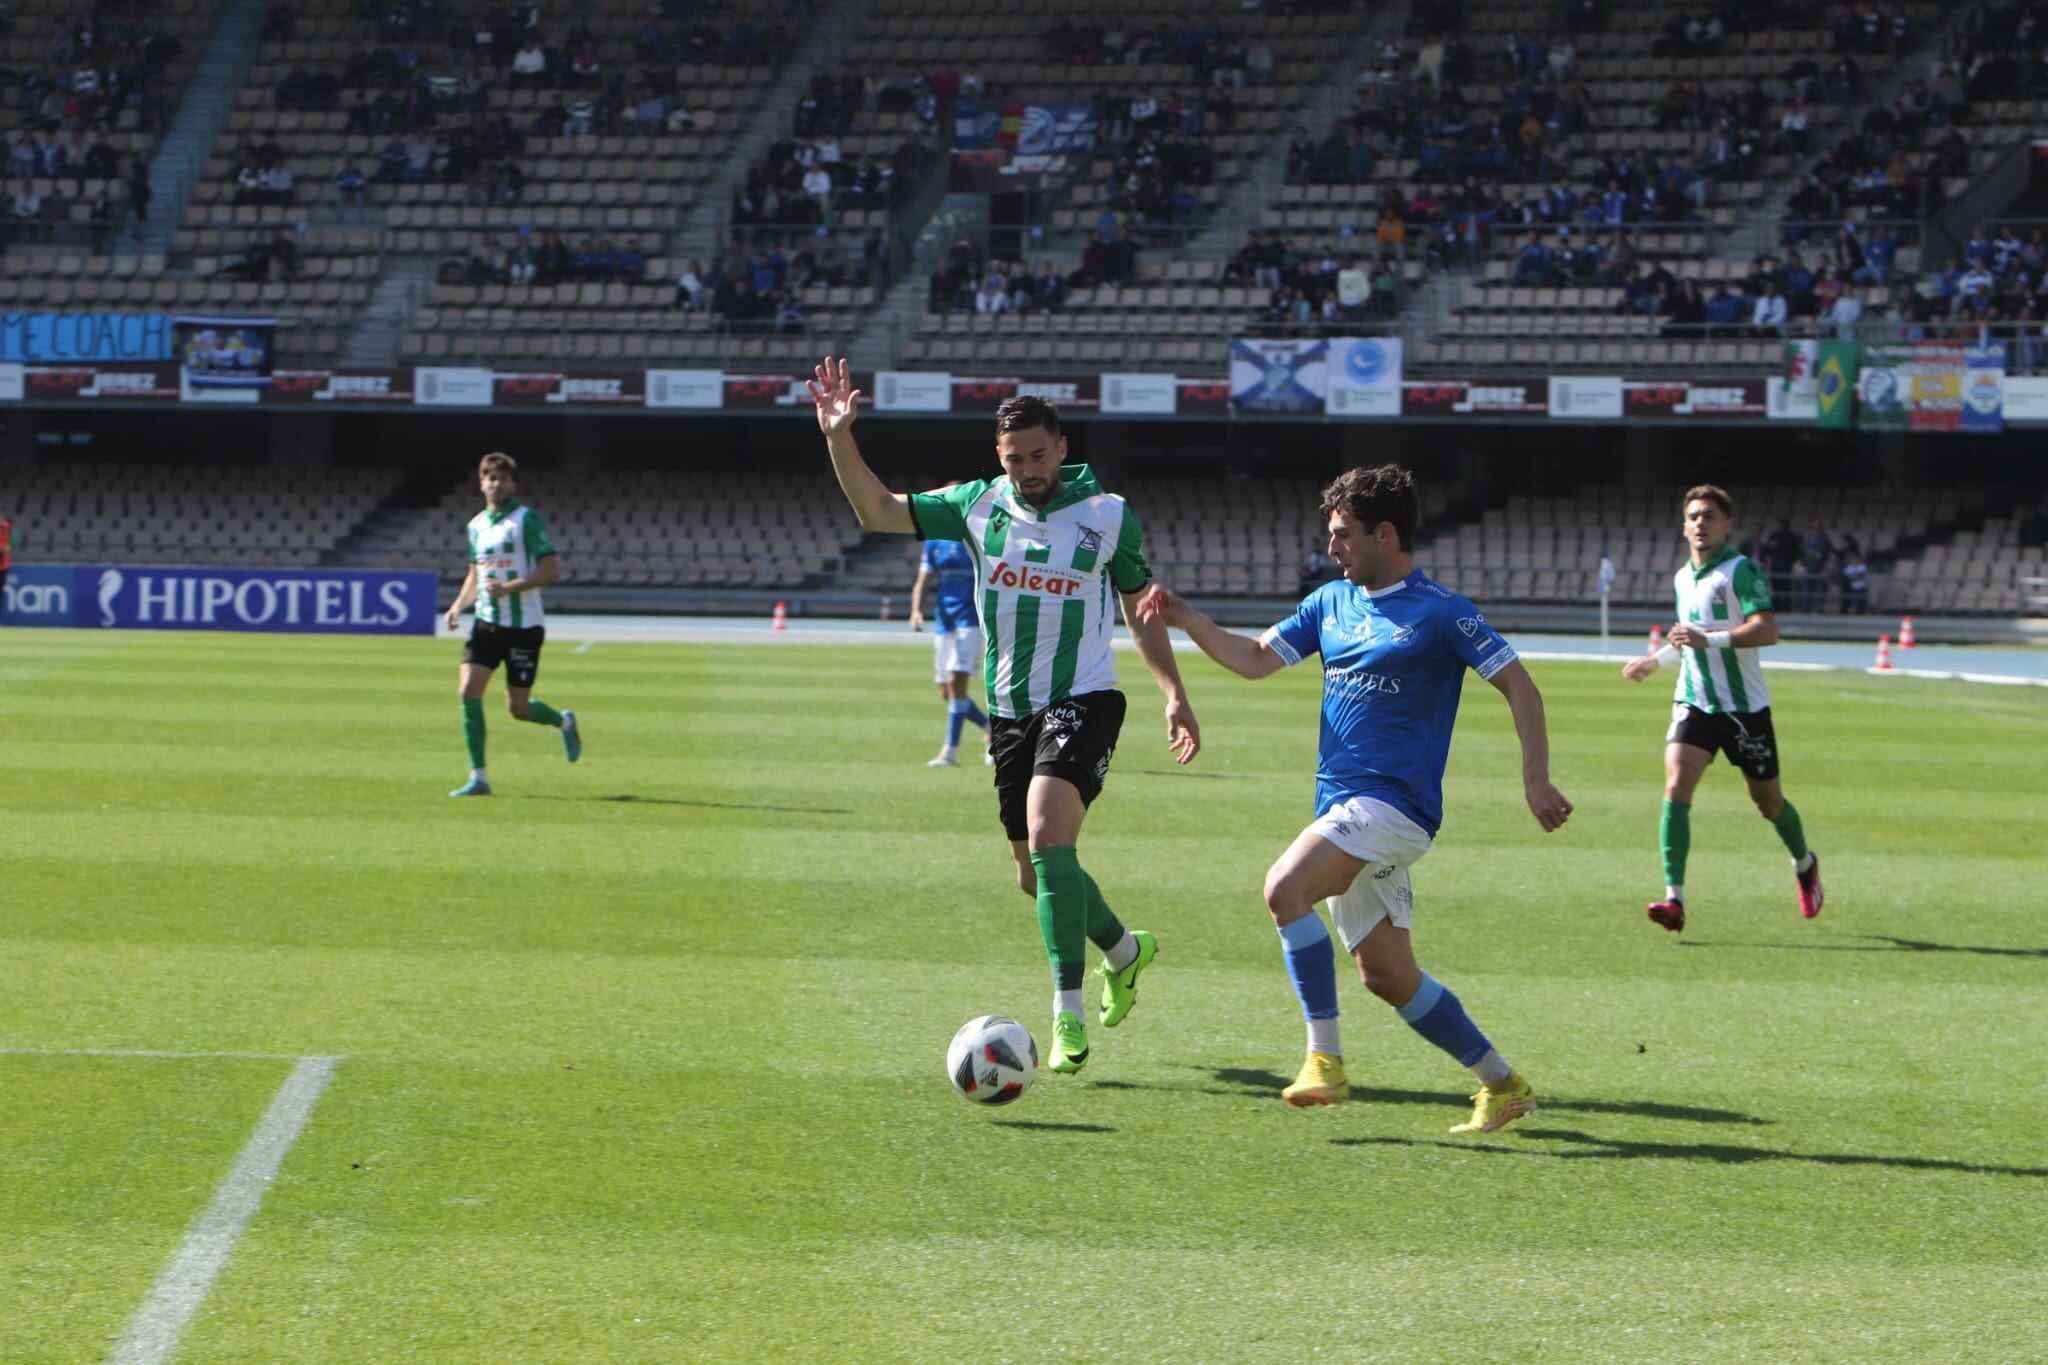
x,y
1394,663
951,565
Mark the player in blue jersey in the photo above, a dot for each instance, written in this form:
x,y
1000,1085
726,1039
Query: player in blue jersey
x,y
956,638
1395,647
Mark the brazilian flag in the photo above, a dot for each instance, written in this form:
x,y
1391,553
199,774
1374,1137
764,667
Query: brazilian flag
x,y
1835,382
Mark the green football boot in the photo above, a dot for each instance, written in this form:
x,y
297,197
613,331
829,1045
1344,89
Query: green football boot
x,y
1069,1043
1120,988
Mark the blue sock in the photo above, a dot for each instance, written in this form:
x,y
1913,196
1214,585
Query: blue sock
x,y
956,712
974,714
1436,1014
1312,964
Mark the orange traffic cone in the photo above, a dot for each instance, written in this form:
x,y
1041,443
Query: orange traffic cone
x,y
1656,639
1906,633
1884,654
781,618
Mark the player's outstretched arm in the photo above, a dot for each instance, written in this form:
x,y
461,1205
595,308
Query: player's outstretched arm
x,y
838,403
1546,802
1241,654
464,595
1183,735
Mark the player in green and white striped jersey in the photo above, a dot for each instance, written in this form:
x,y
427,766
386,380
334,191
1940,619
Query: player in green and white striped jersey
x,y
511,558
1051,550
1722,704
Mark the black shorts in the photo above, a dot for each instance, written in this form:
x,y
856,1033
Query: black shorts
x,y
1746,737
1073,739
518,650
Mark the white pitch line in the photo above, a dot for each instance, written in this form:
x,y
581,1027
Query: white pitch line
x,y
584,648
160,1323
145,1052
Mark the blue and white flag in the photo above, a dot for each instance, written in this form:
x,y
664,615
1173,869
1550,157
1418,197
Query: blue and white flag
x,y
1606,573
1278,376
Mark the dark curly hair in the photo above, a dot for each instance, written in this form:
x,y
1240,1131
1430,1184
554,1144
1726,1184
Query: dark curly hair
x,y
1376,495
1026,411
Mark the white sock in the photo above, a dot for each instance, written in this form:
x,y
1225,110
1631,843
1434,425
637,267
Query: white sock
x,y
949,752
1322,1037
477,775
1675,893
1492,1067
1066,1002
1803,865
1123,952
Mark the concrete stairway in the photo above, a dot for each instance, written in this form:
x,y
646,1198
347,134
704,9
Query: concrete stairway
x,y
217,82
401,290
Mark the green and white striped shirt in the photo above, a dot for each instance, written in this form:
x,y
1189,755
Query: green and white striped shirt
x,y
1720,595
503,545
1048,578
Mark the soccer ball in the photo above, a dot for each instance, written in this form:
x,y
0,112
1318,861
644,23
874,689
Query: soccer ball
x,y
992,1059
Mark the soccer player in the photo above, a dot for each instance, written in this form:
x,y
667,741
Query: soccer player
x,y
511,558
1721,703
956,637
1395,647
1049,547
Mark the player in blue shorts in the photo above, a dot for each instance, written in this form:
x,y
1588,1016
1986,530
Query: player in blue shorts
x,y
1395,647
956,637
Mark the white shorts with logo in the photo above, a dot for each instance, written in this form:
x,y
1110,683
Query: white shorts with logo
x,y
956,651
1388,843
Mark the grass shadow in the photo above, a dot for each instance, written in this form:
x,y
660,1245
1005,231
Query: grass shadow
x,y
1881,943
1584,1146
1256,1082
628,799
1037,1126
1183,772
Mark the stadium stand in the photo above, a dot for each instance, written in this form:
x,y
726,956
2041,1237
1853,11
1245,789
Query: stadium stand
x,y
217,515
91,94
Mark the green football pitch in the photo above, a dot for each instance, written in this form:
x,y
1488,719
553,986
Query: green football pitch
x,y
643,1059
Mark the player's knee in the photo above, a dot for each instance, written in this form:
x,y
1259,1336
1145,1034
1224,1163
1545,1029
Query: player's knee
x,y
517,707
1770,807
1283,898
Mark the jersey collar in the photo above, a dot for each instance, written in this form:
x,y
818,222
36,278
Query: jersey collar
x,y
498,514
1720,557
1414,575
1077,484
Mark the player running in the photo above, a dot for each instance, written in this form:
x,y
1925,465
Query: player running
x,y
511,558
1395,647
1721,703
1049,546
956,638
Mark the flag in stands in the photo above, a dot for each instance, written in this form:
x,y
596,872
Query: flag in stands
x,y
1606,573
1802,365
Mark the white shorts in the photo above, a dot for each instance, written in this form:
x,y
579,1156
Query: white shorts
x,y
955,651
1388,843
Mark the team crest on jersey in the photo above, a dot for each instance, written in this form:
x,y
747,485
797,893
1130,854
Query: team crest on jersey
x,y
1403,634
1091,539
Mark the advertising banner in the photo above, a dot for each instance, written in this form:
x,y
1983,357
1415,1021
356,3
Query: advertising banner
x,y
2026,398
1139,394
526,389
1984,389
1935,388
913,391
48,338
685,389
224,353
37,595
1585,395
13,381
1278,376
291,601
979,393
1364,375
342,387
1202,397
1883,389
443,386
95,383
773,392
1462,398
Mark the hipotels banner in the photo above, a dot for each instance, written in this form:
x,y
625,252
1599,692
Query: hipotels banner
x,y
289,601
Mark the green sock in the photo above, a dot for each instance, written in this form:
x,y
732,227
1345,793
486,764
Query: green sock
x,y
1062,912
1105,930
473,729
540,713
1675,833
1791,831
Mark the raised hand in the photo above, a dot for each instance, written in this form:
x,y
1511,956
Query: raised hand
x,y
1161,604
838,401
